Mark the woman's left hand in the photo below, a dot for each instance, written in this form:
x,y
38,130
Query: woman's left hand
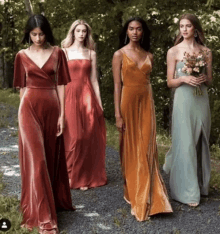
x,y
202,78
60,126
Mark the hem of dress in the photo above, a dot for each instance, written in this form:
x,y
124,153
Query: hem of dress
x,y
89,186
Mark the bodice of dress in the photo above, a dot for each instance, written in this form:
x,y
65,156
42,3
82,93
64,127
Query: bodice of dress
x,y
133,75
54,71
79,69
179,66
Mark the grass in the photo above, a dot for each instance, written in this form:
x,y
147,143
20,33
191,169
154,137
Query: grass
x,y
4,115
9,206
10,97
112,135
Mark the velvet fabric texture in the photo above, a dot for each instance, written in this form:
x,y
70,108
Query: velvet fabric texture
x,y
144,188
84,134
45,186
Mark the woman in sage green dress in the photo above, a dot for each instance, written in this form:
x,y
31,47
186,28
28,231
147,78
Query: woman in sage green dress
x,y
188,160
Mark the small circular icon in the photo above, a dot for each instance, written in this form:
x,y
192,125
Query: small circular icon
x,y
5,225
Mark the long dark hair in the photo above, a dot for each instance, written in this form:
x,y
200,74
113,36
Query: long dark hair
x,y
200,39
145,41
36,21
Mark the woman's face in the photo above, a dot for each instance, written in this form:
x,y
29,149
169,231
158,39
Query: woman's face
x,y
80,32
187,29
135,31
37,36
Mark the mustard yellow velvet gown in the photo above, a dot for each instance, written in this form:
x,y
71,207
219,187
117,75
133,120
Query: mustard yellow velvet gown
x,y
144,188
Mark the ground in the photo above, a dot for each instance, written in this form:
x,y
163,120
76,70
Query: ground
x,y
103,210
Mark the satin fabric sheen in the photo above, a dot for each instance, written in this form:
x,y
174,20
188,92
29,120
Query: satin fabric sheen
x,y
85,134
144,188
188,160
45,186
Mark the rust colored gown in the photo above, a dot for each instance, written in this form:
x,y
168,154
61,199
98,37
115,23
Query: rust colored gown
x,y
45,186
144,188
84,134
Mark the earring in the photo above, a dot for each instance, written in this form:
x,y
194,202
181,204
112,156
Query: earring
x,y
126,38
195,34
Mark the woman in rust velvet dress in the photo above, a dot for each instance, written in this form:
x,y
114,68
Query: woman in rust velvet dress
x,y
144,188
41,73
85,134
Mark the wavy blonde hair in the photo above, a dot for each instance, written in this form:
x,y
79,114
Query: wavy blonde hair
x,y
69,40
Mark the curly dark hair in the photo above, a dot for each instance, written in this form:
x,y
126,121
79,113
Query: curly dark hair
x,y
144,43
36,21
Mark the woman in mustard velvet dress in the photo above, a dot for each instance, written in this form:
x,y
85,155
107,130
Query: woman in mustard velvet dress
x,y
41,72
144,188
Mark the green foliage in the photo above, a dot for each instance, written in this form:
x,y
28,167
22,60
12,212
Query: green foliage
x,y
215,129
9,206
215,151
106,18
10,97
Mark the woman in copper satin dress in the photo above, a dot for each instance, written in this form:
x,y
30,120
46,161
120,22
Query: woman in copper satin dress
x,y
144,188
41,73
85,134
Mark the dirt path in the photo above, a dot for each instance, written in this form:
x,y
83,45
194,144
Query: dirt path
x,y
103,210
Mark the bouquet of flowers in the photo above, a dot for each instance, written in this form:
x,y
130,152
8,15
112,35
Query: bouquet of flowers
x,y
195,65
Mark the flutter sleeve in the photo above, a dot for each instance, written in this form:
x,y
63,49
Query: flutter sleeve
x,y
63,76
19,72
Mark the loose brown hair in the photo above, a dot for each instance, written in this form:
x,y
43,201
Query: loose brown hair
x,y
200,39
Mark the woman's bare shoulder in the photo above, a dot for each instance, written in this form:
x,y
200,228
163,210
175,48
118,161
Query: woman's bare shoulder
x,y
118,54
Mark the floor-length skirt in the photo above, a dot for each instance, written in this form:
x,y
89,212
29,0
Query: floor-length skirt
x,y
44,176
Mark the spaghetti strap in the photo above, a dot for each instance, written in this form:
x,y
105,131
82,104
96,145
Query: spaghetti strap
x,y
65,51
89,54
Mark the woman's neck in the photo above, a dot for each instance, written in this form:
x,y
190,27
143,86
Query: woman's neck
x,y
134,45
39,48
77,45
190,43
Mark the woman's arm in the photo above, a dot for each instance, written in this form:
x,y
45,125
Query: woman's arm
x,y
22,90
171,66
94,80
116,68
61,96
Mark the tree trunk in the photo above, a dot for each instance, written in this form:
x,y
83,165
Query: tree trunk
x,y
29,8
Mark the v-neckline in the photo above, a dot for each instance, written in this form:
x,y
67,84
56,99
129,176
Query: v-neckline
x,y
135,62
44,63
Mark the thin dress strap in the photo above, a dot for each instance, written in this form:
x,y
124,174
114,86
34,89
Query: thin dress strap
x,y
89,54
66,54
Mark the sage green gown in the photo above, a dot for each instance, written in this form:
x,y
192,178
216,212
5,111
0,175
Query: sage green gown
x,y
188,160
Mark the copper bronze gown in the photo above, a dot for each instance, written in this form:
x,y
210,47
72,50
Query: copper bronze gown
x,y
45,186
84,134
144,188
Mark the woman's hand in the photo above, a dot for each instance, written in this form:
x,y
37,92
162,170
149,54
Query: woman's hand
x,y
191,80
120,124
202,78
60,126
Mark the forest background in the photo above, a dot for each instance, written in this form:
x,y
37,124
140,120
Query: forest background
x,y
106,17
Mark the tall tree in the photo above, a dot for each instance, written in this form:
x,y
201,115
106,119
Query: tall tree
x,y
29,8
